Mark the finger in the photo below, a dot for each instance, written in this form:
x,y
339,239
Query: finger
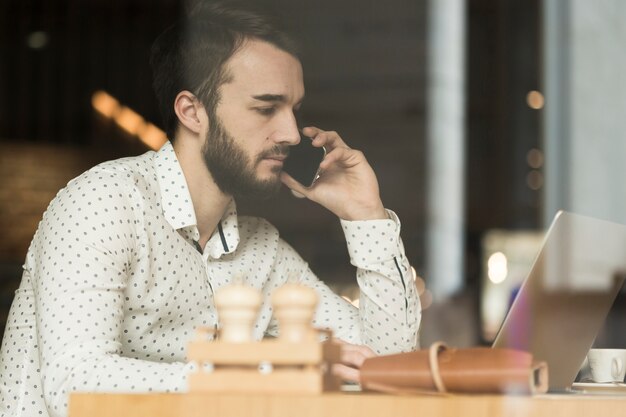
x,y
344,156
311,131
327,138
355,355
345,373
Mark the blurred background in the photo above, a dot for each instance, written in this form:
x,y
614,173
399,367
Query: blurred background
x,y
481,118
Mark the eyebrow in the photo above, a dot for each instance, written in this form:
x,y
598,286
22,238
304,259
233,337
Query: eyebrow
x,y
271,98
275,98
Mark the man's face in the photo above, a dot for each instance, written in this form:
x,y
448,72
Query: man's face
x,y
233,170
254,122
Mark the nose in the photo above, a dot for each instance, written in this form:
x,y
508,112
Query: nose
x,y
287,131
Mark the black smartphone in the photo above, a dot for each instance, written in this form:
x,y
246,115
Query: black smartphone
x,y
303,162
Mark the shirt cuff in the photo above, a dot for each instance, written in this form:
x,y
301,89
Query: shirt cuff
x,y
372,241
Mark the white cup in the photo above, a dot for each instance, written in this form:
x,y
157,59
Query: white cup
x,y
607,365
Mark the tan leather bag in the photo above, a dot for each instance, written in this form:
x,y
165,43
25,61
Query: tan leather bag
x,y
470,370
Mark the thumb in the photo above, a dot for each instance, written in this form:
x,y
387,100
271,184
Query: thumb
x,y
296,188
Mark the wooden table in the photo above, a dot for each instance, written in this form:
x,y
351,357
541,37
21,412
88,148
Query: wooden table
x,y
343,405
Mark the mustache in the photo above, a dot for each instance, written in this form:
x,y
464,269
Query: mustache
x,y
276,150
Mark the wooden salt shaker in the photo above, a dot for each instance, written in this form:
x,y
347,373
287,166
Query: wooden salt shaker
x,y
237,307
294,307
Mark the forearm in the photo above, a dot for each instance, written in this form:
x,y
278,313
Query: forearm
x,y
389,308
389,313
89,368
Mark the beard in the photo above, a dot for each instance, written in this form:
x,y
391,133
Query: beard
x,y
233,171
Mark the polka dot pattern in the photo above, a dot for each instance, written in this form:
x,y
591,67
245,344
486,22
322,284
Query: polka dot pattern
x,y
114,286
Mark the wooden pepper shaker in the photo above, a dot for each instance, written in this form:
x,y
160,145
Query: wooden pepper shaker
x,y
237,307
294,306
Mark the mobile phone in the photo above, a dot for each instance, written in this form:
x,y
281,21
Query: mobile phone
x,y
303,162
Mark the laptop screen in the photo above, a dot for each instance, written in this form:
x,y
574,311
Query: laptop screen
x,y
567,295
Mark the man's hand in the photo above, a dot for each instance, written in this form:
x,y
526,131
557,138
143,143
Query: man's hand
x,y
347,186
352,357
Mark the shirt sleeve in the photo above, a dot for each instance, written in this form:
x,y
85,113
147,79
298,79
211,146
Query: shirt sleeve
x,y
388,316
389,307
79,263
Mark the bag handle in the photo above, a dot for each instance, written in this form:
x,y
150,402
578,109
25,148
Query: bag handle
x,y
433,362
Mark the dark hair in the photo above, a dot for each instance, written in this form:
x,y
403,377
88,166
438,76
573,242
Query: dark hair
x,y
190,55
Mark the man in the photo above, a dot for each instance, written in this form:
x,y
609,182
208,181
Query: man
x,y
127,257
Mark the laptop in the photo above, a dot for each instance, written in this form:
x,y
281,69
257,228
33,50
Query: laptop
x,y
565,299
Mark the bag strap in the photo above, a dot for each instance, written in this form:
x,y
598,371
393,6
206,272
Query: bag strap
x,y
392,389
433,362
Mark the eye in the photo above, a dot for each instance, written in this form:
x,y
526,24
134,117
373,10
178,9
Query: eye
x,y
266,111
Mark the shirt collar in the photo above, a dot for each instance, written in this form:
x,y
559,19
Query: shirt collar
x,y
178,207
175,197
226,237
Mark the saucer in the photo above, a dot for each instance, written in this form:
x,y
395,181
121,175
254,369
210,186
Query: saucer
x,y
600,388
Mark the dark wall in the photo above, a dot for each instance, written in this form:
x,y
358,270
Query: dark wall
x,y
364,75
503,66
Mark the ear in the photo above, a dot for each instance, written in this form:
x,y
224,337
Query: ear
x,y
190,112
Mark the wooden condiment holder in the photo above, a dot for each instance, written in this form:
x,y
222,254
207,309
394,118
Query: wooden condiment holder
x,y
295,362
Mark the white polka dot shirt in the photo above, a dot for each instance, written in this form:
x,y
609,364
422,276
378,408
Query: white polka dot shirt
x,y
114,286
